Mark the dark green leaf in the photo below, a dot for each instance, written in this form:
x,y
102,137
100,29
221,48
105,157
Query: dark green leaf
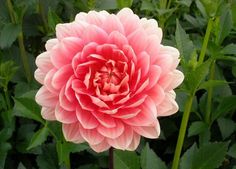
x,y
226,105
227,127
185,2
147,5
212,83
197,128
53,20
126,160
210,156
229,49
21,166
4,147
9,34
39,137
124,3
232,151
184,44
187,159
106,4
89,166
149,160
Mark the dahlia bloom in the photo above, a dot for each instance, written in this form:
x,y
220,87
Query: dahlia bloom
x,y
107,78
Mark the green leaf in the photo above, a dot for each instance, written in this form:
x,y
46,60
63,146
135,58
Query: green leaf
x,y
27,107
187,159
21,166
210,156
229,49
226,105
89,166
227,127
39,137
224,26
147,5
4,147
211,6
232,151
149,160
48,159
124,3
53,19
185,2
126,160
9,34
194,78
212,83
196,128
106,4
184,44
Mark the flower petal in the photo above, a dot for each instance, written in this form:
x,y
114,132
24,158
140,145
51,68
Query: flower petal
x,y
103,146
45,98
91,136
48,113
65,116
93,33
135,142
72,133
112,132
148,131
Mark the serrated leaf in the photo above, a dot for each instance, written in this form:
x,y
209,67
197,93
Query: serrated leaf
x,y
149,160
194,78
196,128
187,159
28,108
9,34
212,83
39,137
226,105
53,19
126,160
232,151
184,44
227,127
210,156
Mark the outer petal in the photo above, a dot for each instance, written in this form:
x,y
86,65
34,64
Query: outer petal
x,y
39,75
46,98
65,116
112,132
93,33
51,43
103,146
48,113
43,62
91,136
71,132
135,142
152,131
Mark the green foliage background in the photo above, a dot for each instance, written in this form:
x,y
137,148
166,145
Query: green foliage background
x,y
204,31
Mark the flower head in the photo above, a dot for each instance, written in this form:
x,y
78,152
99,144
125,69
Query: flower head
x,y
107,78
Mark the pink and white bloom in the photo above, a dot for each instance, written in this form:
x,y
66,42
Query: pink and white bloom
x,y
107,78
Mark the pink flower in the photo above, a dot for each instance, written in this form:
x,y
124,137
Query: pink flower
x,y
107,78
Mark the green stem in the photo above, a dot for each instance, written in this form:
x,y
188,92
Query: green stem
x,y
205,41
168,4
43,16
210,93
23,53
182,132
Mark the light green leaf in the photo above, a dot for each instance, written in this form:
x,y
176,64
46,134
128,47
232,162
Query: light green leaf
x,y
124,3
39,137
184,44
9,34
212,83
185,2
126,160
147,5
196,128
53,19
149,160
210,156
106,4
232,151
227,127
187,159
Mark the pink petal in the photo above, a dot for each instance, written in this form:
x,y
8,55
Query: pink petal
x,y
103,146
177,79
144,63
148,131
65,103
112,132
151,27
112,23
58,58
138,40
95,18
98,102
124,140
118,39
93,33
61,76
165,62
48,113
135,142
45,98
127,113
149,106
91,136
65,116
135,101
85,103
48,82
154,75
51,43
157,94
43,62
71,133
39,75
86,119
168,105
105,119
153,48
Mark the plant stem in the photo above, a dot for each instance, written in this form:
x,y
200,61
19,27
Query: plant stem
x,y
67,161
205,41
111,165
210,93
182,132
168,4
23,54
